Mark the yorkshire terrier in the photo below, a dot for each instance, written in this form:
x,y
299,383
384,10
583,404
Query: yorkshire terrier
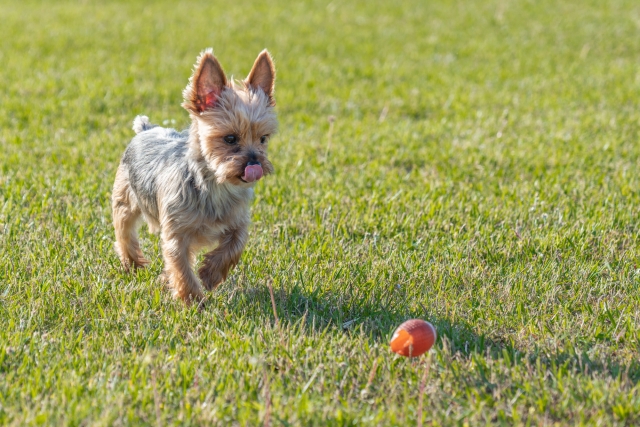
x,y
194,187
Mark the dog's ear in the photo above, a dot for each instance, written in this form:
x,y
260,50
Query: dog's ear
x,y
206,84
263,75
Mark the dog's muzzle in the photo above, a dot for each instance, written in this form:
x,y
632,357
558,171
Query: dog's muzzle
x,y
252,172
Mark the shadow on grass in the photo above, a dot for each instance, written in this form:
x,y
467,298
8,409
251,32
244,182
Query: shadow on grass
x,y
339,314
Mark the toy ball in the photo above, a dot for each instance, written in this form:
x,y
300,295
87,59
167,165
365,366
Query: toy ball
x,y
413,338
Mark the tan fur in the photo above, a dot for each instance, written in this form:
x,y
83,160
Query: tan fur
x,y
263,75
201,201
241,115
126,217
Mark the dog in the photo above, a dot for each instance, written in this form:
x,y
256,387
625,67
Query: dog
x,y
194,187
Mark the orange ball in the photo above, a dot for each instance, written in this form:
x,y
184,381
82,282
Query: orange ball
x,y
413,338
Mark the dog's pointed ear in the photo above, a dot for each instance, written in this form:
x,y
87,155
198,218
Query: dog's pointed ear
x,y
206,84
263,75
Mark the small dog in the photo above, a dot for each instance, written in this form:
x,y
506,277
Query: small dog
x,y
194,187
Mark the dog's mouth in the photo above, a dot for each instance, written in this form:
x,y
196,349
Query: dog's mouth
x,y
252,173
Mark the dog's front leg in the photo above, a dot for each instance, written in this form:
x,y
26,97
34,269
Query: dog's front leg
x,y
178,268
217,263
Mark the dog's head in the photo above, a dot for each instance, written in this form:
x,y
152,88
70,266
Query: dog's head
x,y
233,120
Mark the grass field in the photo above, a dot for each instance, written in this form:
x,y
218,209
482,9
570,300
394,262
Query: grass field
x,y
481,172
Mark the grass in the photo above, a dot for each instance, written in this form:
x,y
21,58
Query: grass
x,y
470,163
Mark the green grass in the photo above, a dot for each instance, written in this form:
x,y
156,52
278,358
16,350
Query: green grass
x,y
481,173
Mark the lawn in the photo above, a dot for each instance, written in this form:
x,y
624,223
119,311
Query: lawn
x,y
472,163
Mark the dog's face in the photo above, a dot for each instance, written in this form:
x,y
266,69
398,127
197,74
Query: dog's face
x,y
234,121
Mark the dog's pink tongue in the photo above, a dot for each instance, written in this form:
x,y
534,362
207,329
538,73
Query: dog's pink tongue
x,y
252,173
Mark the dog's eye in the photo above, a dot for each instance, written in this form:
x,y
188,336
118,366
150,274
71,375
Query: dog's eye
x,y
263,139
230,139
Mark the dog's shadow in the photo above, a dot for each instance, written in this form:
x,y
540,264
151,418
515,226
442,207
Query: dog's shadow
x,y
377,319
341,315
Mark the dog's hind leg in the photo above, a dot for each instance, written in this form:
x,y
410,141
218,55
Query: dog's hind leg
x,y
126,217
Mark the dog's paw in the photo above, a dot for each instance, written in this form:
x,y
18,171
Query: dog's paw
x,y
210,278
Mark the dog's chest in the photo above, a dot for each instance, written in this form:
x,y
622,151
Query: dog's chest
x,y
222,213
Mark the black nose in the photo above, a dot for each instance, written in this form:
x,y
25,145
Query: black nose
x,y
253,162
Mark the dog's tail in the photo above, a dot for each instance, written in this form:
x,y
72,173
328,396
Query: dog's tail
x,y
142,123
